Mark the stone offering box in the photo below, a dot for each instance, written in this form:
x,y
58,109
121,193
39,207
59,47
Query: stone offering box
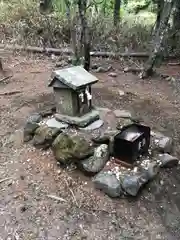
x,y
72,89
131,142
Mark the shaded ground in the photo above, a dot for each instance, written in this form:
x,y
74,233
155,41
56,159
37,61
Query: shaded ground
x,y
25,210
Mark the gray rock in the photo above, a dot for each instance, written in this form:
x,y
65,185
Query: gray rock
x,y
123,122
95,163
108,183
95,66
167,161
106,138
152,170
44,136
122,114
93,126
48,112
165,144
34,118
112,74
82,121
53,123
29,130
68,148
131,184
101,139
161,143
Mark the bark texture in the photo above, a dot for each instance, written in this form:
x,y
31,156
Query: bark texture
x,y
117,6
85,35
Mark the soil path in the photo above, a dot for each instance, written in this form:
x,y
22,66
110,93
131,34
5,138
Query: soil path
x,y
26,212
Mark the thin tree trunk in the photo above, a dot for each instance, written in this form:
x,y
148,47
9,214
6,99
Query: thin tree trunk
x,y
158,47
85,36
117,6
176,16
160,4
176,25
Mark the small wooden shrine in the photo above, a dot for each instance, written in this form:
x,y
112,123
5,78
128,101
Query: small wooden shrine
x,y
72,89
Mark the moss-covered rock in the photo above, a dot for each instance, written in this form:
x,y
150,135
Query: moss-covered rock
x,y
44,136
68,148
29,130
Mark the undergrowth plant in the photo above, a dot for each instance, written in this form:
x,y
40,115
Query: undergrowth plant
x,y
21,21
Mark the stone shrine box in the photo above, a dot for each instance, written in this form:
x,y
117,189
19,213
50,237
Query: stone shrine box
x,y
131,142
72,89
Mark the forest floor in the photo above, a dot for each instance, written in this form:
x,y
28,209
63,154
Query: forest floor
x,y
27,213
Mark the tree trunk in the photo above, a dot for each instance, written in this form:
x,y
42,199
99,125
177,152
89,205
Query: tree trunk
x,y
176,16
160,4
158,47
117,6
85,35
176,25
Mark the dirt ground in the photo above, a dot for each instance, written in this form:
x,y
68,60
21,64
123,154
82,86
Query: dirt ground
x,y
26,211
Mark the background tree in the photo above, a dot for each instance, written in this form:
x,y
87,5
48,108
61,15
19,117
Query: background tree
x,y
158,46
117,7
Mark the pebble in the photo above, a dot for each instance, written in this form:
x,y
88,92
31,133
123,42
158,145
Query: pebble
x,y
23,208
112,74
162,182
121,93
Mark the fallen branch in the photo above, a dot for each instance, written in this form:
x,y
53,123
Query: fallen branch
x,y
68,51
5,78
33,49
71,193
5,179
10,93
56,198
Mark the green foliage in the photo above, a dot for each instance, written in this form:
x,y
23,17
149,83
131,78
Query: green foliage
x,y
135,6
23,22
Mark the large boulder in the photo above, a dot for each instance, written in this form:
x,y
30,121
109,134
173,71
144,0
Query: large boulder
x,y
44,136
68,148
95,163
108,183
